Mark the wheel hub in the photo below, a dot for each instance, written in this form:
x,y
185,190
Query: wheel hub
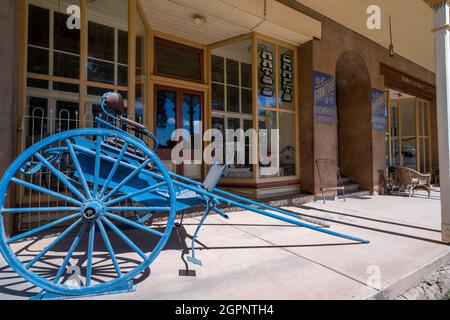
x,y
92,209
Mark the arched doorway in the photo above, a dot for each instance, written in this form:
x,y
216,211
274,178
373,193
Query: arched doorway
x,y
355,119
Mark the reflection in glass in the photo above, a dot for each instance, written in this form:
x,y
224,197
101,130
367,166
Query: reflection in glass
x,y
233,99
218,97
288,139
287,88
409,153
269,162
166,117
408,117
266,72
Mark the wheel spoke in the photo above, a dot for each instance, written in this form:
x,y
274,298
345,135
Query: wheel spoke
x,y
43,228
76,162
90,253
70,253
133,224
135,194
114,170
54,243
119,209
36,210
97,165
124,238
127,179
46,191
109,247
62,177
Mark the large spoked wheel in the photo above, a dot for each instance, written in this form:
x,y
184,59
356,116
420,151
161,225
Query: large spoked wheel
x,y
77,198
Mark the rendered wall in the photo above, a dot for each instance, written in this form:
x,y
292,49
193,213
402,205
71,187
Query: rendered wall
x,y
8,82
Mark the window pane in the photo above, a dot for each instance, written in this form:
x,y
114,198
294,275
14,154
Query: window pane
x,y
287,90
266,70
122,76
166,118
247,101
65,39
39,26
101,41
246,75
288,145
139,106
232,72
38,60
176,60
123,47
395,153
99,71
232,99
66,65
36,83
66,87
140,53
217,69
269,163
218,97
408,117
192,115
409,153
219,124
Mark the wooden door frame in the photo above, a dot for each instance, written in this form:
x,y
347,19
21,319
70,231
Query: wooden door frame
x,y
180,92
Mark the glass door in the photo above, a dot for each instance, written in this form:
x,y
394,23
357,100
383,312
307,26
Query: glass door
x,y
180,109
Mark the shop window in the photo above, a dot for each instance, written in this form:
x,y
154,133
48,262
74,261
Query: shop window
x,y
409,133
232,99
178,61
108,42
277,109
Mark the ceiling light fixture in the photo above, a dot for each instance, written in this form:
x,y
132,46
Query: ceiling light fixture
x,y
199,19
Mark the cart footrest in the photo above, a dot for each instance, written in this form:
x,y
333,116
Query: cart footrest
x,y
195,261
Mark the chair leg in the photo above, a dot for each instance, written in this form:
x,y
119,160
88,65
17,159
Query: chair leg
x,y
323,196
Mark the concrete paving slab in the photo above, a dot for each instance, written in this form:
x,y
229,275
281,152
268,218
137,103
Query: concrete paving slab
x,y
254,257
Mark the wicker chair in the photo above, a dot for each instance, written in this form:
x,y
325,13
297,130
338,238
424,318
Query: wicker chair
x,y
412,180
328,172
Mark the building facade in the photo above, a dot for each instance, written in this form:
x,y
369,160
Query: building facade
x,y
331,92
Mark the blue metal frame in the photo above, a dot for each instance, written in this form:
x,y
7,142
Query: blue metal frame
x,y
108,175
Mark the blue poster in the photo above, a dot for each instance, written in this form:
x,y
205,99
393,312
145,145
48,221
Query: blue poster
x,y
379,110
324,95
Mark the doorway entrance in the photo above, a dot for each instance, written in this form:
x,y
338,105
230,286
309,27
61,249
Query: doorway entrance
x,y
178,109
354,119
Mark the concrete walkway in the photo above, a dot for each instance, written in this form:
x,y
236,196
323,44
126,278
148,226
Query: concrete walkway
x,y
254,257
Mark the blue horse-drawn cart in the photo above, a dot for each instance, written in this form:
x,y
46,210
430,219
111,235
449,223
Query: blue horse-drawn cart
x,y
115,183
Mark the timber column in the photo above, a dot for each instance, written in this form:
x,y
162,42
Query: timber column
x,y
442,37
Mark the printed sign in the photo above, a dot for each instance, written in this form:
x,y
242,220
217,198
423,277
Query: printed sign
x,y
287,76
325,108
379,110
267,74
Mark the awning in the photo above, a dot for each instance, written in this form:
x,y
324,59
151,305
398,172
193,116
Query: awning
x,y
230,18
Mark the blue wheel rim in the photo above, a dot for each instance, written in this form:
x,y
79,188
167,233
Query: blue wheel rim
x,y
46,284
